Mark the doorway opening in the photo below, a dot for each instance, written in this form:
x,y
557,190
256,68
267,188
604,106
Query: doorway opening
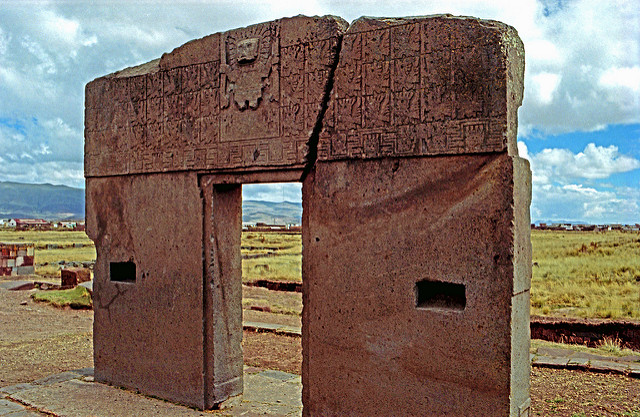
x,y
271,249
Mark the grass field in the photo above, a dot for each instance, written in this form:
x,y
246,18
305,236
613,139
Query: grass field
x,y
52,247
586,274
575,274
76,298
275,256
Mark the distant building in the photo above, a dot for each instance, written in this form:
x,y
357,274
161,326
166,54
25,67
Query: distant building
x,y
587,227
64,225
32,224
264,227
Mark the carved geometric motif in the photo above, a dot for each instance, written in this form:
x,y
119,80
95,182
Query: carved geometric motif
x,y
417,87
226,101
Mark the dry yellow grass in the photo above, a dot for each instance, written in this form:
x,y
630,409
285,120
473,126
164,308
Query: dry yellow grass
x,y
586,274
280,256
575,274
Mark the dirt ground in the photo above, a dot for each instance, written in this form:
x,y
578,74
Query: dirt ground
x,y
37,340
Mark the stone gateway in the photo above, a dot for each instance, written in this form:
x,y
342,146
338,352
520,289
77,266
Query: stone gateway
x,y
416,241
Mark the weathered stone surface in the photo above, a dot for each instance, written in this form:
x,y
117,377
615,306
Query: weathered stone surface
x,y
424,86
70,277
267,393
417,253
148,325
244,99
222,291
373,230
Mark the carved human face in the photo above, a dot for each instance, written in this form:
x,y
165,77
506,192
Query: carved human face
x,y
247,50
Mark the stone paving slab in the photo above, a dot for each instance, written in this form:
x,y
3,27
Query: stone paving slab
x,y
77,398
578,361
273,328
8,285
591,356
607,366
7,407
550,361
12,389
74,394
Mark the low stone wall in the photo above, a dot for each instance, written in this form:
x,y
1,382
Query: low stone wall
x,y
589,332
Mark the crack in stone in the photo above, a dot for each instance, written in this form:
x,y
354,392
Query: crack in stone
x,y
314,139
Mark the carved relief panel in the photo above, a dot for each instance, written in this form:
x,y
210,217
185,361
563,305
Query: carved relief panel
x,y
423,86
250,83
243,99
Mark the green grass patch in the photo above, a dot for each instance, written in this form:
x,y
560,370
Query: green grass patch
x,y
76,298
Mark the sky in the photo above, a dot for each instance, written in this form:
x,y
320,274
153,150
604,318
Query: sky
x,y
579,124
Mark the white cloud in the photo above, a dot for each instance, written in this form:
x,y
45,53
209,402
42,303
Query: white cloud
x,y
594,162
574,202
523,150
46,141
46,65
626,78
558,194
58,27
546,84
3,42
273,192
52,172
43,150
589,45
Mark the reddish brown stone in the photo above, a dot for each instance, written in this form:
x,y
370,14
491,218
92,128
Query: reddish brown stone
x,y
251,96
148,284
70,277
417,253
373,232
424,86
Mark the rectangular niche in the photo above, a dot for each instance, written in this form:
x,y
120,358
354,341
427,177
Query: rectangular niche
x,y
122,271
440,295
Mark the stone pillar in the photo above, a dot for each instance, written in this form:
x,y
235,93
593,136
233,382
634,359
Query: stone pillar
x,y
416,253
161,139
222,291
148,292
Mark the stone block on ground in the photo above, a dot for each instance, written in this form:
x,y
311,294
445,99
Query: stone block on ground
x,y
71,277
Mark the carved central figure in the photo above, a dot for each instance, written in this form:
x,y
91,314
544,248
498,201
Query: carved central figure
x,y
248,84
247,50
249,67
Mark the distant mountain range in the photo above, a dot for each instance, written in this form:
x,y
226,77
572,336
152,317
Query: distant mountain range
x,y
285,212
59,202
40,201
